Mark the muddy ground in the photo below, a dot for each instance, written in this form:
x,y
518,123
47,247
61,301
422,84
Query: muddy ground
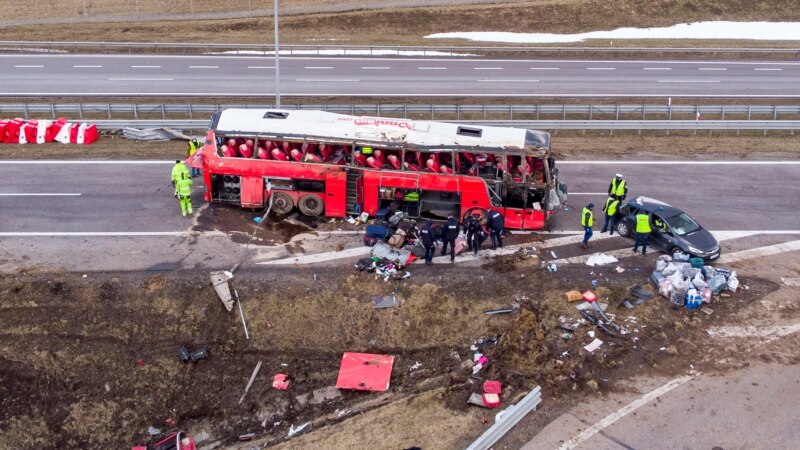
x,y
89,361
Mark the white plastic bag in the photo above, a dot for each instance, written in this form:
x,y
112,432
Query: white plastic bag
x,y
660,265
680,256
699,282
733,282
665,258
669,270
717,283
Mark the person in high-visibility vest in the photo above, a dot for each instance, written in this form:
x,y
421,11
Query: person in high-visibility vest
x,y
178,170
618,187
643,230
587,220
194,144
183,191
610,208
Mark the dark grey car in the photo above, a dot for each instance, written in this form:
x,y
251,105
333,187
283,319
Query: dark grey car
x,y
678,232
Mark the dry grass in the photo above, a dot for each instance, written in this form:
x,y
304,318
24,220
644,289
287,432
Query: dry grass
x,y
407,26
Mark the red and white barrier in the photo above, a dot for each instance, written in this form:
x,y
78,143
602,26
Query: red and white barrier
x,y
20,131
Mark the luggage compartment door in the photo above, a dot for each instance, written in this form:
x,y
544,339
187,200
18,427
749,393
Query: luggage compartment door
x,y
252,191
335,194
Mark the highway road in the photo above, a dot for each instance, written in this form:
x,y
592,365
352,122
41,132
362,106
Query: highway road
x,y
229,75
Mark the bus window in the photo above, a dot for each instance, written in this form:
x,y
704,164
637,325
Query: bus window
x,y
310,185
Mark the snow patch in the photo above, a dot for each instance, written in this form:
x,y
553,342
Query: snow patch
x,y
759,31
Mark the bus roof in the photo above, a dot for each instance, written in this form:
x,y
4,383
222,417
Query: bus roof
x,y
378,131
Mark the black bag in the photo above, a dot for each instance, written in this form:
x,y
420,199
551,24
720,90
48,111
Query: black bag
x,y
370,241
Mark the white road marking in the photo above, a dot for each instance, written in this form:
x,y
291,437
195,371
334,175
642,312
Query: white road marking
x,y
769,333
320,257
204,67
93,233
323,80
588,193
376,68
392,94
431,68
28,66
508,81
600,68
624,411
141,79
657,68
759,252
544,68
260,67
319,67
689,81
145,67
712,68
573,239
767,68
86,67
487,68
792,282
39,194
692,163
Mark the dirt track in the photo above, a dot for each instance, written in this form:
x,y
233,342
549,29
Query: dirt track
x,y
92,360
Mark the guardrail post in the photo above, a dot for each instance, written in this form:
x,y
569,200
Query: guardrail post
x,y
484,112
458,112
80,110
510,112
25,108
537,111
53,110
108,109
190,111
163,112
431,112
135,112
405,111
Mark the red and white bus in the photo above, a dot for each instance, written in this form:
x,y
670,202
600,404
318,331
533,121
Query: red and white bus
x,y
332,164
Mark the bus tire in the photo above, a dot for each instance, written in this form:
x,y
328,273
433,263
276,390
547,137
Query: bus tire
x,y
483,213
311,205
282,202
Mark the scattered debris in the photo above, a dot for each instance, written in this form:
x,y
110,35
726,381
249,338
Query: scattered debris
x,y
507,310
293,430
280,382
220,280
573,296
415,366
250,382
199,354
619,269
599,259
247,437
153,431
552,267
183,354
385,301
241,314
365,372
791,282
553,254
708,311
594,345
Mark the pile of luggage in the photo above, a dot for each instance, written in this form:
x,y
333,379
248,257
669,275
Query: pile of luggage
x,y
689,282
398,231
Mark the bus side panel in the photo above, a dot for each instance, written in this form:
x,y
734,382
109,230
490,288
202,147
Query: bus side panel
x,y
335,194
533,219
514,218
252,192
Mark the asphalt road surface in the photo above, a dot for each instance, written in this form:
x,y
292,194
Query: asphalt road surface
x,y
229,75
137,196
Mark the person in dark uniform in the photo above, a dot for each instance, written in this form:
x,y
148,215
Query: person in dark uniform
x,y
472,228
428,241
450,235
496,222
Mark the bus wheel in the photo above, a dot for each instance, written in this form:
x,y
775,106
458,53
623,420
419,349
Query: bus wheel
x,y
311,205
479,211
282,203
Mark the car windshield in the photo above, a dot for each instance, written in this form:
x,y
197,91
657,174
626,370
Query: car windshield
x,y
682,224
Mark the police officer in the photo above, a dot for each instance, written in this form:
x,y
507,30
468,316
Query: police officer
x,y
428,241
450,235
495,221
618,187
472,226
587,220
642,231
177,171
183,190
194,144
611,208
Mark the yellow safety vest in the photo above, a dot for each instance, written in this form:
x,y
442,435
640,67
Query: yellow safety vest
x,y
184,187
366,150
587,218
617,189
177,170
611,208
643,223
411,197
192,148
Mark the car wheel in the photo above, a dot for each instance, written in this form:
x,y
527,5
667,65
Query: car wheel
x,y
675,250
623,228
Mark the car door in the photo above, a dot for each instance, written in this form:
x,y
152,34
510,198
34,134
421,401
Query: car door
x,y
659,236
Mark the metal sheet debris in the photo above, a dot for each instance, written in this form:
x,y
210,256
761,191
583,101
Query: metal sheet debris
x,y
220,280
594,345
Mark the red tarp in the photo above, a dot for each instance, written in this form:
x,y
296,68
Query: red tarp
x,y
365,372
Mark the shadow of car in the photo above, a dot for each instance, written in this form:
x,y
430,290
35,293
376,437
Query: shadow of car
x,y
673,229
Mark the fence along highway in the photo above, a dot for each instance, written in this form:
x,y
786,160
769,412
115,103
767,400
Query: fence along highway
x,y
248,76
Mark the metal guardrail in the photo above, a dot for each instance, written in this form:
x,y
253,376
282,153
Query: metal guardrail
x,y
381,50
704,125
506,419
433,112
